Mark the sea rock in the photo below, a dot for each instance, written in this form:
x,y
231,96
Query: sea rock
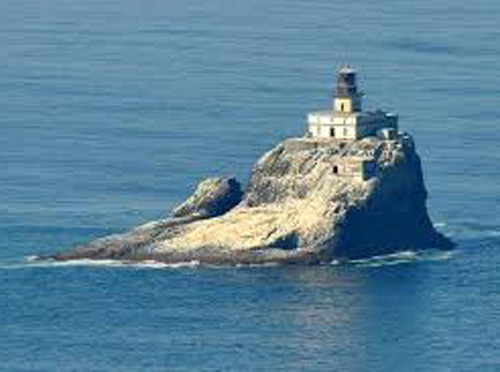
x,y
308,201
213,197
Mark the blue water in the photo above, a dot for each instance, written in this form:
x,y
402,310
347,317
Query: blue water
x,y
112,110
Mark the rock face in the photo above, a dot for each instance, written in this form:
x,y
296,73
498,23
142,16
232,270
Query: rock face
x,y
213,197
308,201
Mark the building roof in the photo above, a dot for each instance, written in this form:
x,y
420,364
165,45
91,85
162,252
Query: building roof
x,y
340,114
347,70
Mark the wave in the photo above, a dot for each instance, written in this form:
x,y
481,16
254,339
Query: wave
x,y
440,225
403,257
469,230
35,262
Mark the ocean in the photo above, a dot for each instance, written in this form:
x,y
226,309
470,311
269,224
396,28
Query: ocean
x,y
111,112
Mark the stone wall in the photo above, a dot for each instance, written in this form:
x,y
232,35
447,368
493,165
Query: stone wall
x,y
342,165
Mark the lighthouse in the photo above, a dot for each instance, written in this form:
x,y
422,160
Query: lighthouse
x,y
347,99
346,120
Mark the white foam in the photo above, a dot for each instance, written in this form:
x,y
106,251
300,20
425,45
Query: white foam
x,y
470,230
81,262
151,264
264,264
404,257
440,225
32,261
30,258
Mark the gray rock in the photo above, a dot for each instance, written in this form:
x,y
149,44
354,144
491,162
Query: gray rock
x,y
306,203
213,197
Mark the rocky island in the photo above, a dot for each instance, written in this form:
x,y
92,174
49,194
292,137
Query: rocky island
x,y
351,188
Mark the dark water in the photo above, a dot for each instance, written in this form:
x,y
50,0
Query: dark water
x,y
111,111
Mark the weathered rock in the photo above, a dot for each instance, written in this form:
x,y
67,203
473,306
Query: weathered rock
x,y
297,209
213,197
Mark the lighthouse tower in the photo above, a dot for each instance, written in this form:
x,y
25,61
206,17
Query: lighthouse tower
x,y
347,99
346,120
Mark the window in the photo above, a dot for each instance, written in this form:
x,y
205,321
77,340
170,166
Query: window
x,y
335,169
341,107
332,132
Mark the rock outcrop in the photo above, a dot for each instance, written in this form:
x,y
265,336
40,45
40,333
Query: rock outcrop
x,y
212,198
308,201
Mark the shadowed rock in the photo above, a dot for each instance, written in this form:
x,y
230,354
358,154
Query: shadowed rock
x,y
213,197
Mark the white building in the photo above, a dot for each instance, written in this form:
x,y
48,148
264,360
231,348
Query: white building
x,y
346,120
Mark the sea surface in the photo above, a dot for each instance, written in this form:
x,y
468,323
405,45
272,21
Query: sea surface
x,y
111,111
